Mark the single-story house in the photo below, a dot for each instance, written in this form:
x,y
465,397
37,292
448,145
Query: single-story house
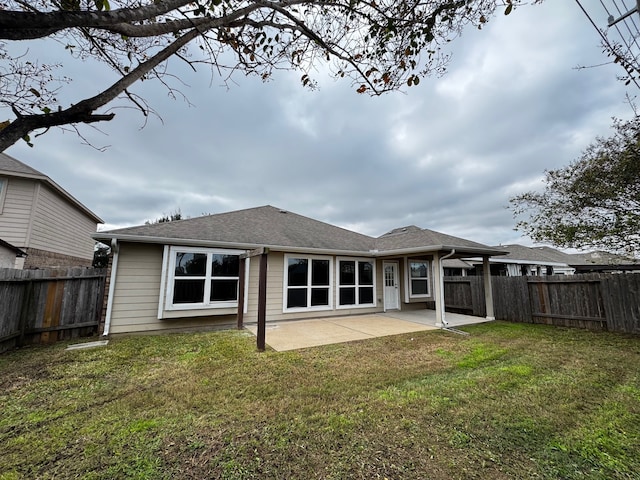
x,y
275,264
540,261
523,261
456,267
603,262
9,253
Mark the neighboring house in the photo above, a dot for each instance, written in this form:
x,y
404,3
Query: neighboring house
x,y
9,254
603,262
539,261
522,261
189,273
43,220
456,268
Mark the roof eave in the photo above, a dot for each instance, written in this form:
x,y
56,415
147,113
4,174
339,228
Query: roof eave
x,y
191,242
297,249
459,250
526,262
57,188
18,251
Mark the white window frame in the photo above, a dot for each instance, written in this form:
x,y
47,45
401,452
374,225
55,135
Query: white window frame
x,y
4,184
357,284
206,303
407,269
308,287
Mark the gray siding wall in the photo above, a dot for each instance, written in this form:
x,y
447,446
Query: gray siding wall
x,y
60,227
16,212
33,215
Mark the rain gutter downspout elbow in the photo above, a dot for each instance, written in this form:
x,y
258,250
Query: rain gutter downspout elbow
x,y
449,255
112,286
444,323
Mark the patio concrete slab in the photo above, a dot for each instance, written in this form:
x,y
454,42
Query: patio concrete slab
x,y
292,335
428,317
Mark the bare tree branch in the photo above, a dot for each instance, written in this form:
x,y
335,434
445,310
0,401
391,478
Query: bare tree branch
x,y
380,45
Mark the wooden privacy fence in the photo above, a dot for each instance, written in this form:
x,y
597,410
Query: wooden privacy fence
x,y
594,301
44,306
465,295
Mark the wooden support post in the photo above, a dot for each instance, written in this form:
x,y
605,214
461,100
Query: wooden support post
x,y
438,291
488,291
262,301
241,282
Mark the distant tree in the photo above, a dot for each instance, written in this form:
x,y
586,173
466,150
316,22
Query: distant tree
x,y
381,45
101,256
176,215
594,201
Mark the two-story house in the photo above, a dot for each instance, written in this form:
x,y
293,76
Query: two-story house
x,y
42,220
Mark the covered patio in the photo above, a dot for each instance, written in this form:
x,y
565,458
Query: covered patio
x,y
297,334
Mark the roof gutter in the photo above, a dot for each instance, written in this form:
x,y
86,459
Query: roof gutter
x,y
57,188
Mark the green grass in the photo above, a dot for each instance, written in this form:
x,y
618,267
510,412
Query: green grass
x,y
507,401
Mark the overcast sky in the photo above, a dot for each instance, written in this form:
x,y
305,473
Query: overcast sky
x,y
446,155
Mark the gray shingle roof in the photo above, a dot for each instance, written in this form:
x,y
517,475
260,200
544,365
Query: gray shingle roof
x,y
413,237
19,252
601,258
528,254
273,227
554,254
587,258
11,165
266,226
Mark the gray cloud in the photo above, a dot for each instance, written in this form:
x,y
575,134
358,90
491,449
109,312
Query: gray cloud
x,y
446,155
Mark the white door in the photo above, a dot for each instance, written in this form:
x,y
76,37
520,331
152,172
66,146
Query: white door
x,y
391,291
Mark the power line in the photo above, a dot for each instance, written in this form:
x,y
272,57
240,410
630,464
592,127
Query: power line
x,y
606,41
623,37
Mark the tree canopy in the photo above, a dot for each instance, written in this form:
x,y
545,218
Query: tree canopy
x,y
380,45
165,218
594,201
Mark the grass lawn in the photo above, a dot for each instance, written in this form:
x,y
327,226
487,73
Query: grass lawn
x,y
508,401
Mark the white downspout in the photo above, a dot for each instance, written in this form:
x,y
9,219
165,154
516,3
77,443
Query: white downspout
x,y
440,309
112,286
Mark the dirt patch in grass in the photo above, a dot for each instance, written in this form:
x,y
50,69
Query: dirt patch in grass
x,y
508,401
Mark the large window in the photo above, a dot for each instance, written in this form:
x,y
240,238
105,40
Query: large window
x,y
418,278
356,280
307,283
202,278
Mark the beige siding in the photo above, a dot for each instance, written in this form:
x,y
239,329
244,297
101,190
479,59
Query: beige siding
x,y
137,294
16,212
60,227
